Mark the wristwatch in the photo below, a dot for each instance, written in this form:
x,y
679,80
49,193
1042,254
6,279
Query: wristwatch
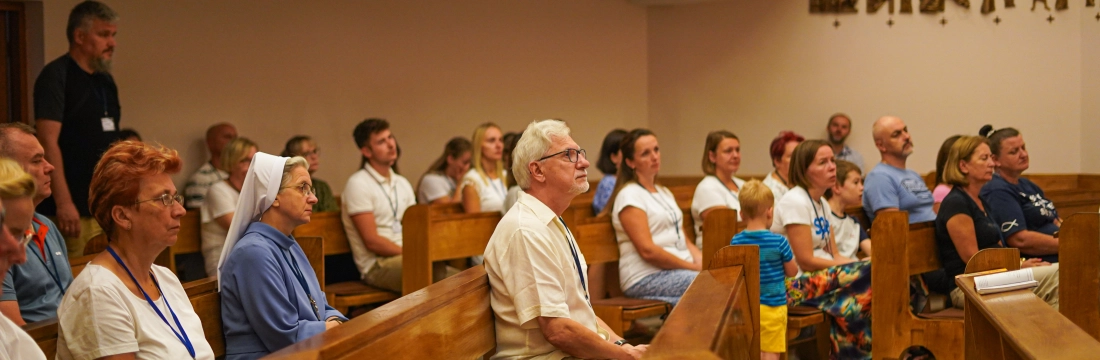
x,y
620,342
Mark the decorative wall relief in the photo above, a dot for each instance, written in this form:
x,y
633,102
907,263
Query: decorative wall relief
x,y
833,6
906,6
1061,5
874,5
988,6
1036,2
931,6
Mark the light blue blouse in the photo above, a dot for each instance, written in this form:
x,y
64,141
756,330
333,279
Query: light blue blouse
x,y
264,307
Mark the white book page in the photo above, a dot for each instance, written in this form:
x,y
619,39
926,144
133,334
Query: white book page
x,y
1004,279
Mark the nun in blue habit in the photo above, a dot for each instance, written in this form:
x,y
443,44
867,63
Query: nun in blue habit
x,y
269,292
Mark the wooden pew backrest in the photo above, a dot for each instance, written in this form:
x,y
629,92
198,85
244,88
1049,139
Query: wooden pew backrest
x,y
719,315
718,229
450,319
206,300
1079,280
434,233
329,227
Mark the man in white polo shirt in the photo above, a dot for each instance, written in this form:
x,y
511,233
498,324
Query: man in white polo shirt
x,y
374,202
536,271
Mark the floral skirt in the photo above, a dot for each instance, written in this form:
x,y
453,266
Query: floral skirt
x,y
844,293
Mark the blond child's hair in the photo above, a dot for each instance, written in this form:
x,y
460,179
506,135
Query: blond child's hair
x,y
755,198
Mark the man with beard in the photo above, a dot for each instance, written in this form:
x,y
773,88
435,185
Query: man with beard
x,y
840,126
77,110
890,186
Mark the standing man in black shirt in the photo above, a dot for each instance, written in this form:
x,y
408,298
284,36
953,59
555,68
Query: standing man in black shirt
x,y
77,115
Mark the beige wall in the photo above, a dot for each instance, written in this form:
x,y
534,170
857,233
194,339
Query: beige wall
x,y
758,67
435,69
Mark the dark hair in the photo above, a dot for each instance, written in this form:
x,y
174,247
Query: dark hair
x,y
626,174
83,13
780,143
364,130
941,158
510,141
127,133
997,136
843,168
293,146
713,139
801,160
610,146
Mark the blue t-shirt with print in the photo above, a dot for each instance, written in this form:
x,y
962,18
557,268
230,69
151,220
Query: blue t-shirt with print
x,y
889,187
1018,207
774,251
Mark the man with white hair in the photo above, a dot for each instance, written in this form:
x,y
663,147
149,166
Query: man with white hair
x,y
536,271
890,186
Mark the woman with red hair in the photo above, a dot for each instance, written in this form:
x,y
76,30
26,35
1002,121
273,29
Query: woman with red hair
x,y
781,149
140,309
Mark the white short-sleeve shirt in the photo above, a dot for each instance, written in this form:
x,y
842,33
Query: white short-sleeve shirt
x,y
796,208
778,188
221,199
99,317
491,191
846,234
665,222
16,344
532,273
710,193
368,191
434,186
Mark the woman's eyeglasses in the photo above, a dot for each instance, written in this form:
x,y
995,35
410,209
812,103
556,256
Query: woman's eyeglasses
x,y
306,189
165,199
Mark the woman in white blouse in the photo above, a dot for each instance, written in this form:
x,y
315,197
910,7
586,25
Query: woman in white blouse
x,y
781,149
221,200
656,261
440,184
122,306
484,186
719,189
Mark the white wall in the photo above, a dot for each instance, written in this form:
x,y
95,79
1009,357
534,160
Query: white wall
x,y
758,67
434,68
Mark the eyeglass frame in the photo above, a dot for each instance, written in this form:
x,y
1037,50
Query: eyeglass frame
x,y
164,199
301,188
580,153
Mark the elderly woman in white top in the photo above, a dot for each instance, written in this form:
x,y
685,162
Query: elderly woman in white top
x,y
485,186
17,189
221,200
121,305
781,149
270,294
656,260
719,189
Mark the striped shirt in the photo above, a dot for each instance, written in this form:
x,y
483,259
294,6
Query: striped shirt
x,y
774,251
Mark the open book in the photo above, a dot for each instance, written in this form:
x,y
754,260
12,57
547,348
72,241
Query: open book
x,y
1005,281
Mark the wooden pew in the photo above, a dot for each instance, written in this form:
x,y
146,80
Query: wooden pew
x,y
450,319
902,250
79,263
207,303
1018,325
44,334
204,299
596,240
1079,275
188,241
719,315
434,233
718,229
342,295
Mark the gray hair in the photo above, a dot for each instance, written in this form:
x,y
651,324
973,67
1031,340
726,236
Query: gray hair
x,y
82,15
291,164
535,142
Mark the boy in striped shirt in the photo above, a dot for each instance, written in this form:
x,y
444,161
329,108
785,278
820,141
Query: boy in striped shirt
x,y
776,263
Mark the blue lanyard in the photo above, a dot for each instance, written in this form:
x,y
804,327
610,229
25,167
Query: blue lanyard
x,y
395,202
675,215
184,339
55,275
821,224
576,259
293,263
